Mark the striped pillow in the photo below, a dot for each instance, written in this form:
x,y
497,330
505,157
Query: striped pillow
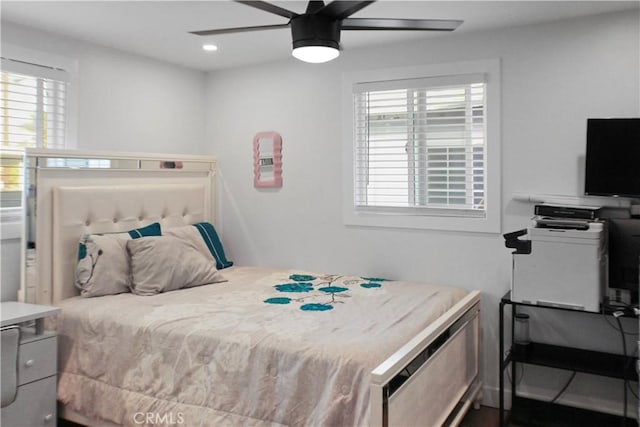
x,y
210,237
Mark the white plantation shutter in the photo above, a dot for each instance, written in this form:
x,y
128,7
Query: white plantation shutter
x,y
420,145
32,114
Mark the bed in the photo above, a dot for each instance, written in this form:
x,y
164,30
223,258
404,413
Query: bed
x,y
263,347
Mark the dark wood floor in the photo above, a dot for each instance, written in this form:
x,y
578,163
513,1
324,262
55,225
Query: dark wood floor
x,y
483,417
65,423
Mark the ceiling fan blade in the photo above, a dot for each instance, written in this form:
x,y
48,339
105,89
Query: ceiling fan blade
x,y
268,7
400,24
314,6
343,9
238,30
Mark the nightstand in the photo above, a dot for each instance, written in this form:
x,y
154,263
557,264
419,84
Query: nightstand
x,y
35,401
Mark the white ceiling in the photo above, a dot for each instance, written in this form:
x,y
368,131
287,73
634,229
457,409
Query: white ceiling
x,y
159,29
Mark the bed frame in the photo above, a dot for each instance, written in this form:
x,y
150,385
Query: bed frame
x,y
426,381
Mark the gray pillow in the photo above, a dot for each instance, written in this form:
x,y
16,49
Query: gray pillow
x,y
190,234
166,263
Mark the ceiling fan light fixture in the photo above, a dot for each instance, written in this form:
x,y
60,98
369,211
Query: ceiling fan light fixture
x,y
316,32
209,47
315,54
316,38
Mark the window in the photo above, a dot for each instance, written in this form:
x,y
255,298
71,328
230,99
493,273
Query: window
x,y
32,115
420,147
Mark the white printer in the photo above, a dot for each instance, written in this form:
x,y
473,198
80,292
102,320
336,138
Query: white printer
x,y
559,264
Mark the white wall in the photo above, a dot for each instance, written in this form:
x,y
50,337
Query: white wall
x,y
124,103
127,102
554,76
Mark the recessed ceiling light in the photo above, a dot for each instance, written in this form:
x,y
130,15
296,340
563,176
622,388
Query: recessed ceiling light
x,y
210,47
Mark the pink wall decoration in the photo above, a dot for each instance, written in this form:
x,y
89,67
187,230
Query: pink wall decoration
x,y
267,159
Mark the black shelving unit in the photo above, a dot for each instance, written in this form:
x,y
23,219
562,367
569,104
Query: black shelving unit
x,y
530,412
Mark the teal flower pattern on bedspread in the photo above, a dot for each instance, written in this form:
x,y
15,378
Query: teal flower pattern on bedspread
x,y
278,300
294,287
316,307
302,277
333,289
371,285
320,292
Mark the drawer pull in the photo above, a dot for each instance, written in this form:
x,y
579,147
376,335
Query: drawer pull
x,y
29,363
48,418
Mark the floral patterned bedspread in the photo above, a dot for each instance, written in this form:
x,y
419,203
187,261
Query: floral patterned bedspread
x,y
267,347
320,292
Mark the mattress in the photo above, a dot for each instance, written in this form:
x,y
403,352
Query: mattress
x,y
266,347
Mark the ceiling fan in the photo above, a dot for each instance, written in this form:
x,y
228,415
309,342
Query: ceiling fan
x,y
316,32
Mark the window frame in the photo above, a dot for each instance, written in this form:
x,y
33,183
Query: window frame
x,y
9,215
70,66
421,218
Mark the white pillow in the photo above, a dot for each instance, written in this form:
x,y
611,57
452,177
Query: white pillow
x,y
166,263
103,267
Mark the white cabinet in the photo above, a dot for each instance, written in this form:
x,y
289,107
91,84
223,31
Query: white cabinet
x,y
35,402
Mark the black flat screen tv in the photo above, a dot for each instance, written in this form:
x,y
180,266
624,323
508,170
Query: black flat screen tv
x,y
613,157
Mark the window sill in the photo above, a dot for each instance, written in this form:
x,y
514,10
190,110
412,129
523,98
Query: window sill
x,y
488,224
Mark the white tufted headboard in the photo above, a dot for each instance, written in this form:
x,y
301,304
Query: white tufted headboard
x,y
109,209
75,201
